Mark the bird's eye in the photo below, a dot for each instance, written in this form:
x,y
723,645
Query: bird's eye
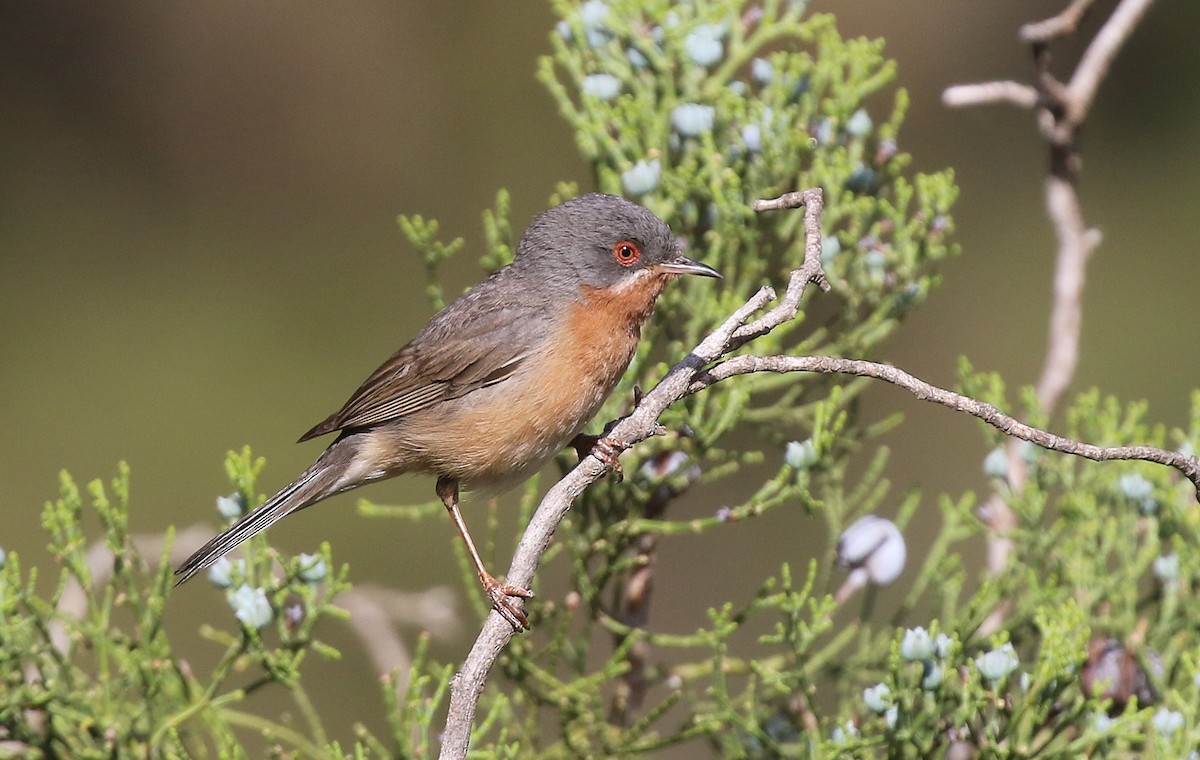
x,y
626,253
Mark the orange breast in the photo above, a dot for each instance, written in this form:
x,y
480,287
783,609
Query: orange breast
x,y
510,430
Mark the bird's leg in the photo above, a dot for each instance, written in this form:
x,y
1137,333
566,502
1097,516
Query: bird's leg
x,y
607,449
447,490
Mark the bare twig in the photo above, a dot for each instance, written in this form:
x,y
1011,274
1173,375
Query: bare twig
x,y
1060,112
1189,466
1093,67
1061,25
961,95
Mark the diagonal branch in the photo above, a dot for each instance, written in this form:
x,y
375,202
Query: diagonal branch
x,y
1060,111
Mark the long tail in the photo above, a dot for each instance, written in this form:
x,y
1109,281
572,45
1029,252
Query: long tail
x,y
321,480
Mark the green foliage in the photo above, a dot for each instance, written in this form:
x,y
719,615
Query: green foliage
x,y
89,670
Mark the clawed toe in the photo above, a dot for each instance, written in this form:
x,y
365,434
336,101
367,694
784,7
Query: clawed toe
x,y
503,597
605,448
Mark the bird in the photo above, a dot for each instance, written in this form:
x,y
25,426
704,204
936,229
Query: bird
x,y
501,379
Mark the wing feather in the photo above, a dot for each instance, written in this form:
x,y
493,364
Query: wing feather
x,y
450,358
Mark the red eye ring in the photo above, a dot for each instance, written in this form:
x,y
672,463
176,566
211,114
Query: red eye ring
x,y
626,252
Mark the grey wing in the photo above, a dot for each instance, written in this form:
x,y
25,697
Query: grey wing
x,y
472,344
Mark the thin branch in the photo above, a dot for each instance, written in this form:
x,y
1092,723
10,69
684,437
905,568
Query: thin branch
x,y
1098,57
1060,111
1065,23
963,95
1189,466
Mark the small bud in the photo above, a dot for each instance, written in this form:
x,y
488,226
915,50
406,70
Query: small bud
x,y
917,645
231,506
294,612
752,137
875,545
998,664
725,514
823,133
1166,569
1139,490
642,178
564,30
861,180
891,716
1167,722
636,58
859,125
220,573
693,119
844,732
738,87
1101,723
800,455
1029,452
703,45
931,676
250,606
877,698
312,568
3,557
885,151
831,246
593,14
601,86
995,464
762,71
875,260
942,645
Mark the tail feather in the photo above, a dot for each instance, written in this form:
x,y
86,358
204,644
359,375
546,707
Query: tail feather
x,y
316,483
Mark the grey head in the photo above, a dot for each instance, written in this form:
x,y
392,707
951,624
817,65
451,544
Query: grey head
x,y
601,241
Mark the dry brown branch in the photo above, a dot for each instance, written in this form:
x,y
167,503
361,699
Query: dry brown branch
x,y
1061,25
1189,466
1060,110
961,95
691,376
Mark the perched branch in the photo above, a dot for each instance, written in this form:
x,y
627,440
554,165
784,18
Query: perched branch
x,y
1189,466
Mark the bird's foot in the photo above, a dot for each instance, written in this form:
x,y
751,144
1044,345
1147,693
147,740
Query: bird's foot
x,y
502,597
607,449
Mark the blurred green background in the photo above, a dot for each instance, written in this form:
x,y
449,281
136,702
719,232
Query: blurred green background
x,y
198,247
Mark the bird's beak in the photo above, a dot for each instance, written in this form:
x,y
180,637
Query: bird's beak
x,y
683,265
